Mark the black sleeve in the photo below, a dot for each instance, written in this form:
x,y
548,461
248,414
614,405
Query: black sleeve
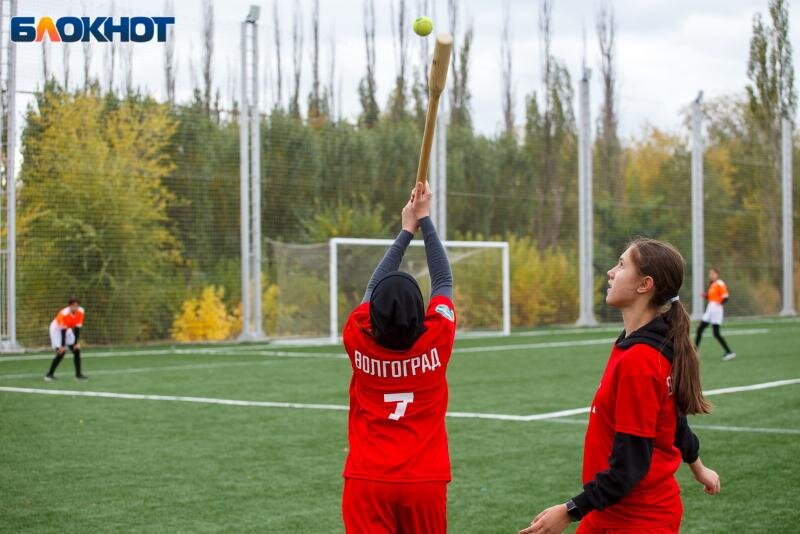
x,y
438,264
686,441
63,337
77,331
628,464
390,262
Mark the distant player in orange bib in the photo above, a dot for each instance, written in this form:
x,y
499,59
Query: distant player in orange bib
x,y
65,331
398,464
717,296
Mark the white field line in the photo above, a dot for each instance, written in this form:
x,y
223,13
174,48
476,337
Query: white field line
x,y
156,369
174,398
549,416
757,430
747,332
263,350
292,354
532,417
723,428
578,343
181,352
530,346
765,385
577,411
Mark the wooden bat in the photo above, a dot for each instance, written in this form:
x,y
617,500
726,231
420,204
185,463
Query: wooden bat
x,y
436,81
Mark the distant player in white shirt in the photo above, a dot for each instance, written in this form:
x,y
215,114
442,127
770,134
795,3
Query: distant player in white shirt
x,y
717,296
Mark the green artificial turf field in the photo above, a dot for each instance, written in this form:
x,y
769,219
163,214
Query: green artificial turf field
x,y
187,460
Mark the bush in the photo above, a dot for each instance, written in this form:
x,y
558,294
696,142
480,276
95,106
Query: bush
x,y
204,319
544,286
269,312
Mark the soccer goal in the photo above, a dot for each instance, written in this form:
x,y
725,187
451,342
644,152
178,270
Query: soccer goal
x,y
481,275
312,288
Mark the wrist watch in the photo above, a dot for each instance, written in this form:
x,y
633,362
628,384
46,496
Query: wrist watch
x,y
573,512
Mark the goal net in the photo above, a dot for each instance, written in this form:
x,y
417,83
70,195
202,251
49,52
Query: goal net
x,y
319,284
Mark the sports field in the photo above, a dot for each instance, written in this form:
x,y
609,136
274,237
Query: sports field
x,y
253,438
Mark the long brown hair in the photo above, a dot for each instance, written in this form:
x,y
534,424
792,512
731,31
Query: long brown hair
x,y
664,264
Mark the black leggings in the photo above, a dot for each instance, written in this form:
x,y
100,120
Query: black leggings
x,y
76,353
715,328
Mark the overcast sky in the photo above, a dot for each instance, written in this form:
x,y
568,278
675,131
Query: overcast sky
x,y
667,50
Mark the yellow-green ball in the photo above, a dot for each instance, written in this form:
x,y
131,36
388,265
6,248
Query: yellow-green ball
x,y
423,26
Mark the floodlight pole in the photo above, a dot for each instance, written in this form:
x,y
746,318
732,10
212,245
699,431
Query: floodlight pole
x,y
244,193
788,262
250,184
333,297
585,206
438,176
10,344
3,322
698,245
255,177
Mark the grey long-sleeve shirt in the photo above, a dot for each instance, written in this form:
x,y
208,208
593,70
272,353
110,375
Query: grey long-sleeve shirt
x,y
438,264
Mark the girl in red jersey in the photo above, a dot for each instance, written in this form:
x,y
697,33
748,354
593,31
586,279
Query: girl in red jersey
x,y
637,433
398,464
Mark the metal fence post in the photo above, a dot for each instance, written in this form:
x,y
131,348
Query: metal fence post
x,y
585,207
788,260
698,246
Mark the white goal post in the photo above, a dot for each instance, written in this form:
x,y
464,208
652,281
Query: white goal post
x,y
335,242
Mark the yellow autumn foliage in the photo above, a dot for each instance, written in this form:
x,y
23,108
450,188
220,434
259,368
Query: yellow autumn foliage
x,y
544,288
269,309
543,284
204,319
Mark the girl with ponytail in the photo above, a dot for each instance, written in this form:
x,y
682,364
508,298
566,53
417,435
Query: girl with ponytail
x,y
638,434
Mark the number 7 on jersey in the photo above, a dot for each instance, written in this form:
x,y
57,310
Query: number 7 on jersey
x,y
402,400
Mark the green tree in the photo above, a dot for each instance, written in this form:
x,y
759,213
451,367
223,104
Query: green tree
x,y
204,182
551,146
460,114
608,174
458,77
771,97
398,98
291,166
93,214
367,88
472,183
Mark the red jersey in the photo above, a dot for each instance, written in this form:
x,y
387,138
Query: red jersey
x,y
635,397
66,318
398,400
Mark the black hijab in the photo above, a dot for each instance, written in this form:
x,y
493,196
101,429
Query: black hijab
x,y
397,311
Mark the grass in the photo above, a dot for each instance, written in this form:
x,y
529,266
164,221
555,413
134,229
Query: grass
x,y
85,464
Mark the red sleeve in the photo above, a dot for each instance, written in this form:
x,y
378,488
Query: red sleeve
x,y
638,399
358,318
441,318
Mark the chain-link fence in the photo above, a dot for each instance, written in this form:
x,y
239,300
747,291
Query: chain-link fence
x,y
128,196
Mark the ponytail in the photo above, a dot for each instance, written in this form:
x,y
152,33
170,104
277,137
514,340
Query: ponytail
x,y
685,363
665,265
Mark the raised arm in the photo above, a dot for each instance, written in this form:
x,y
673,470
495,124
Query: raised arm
x,y
438,264
391,260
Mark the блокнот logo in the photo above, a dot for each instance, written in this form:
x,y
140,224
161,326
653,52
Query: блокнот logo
x,y
101,29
